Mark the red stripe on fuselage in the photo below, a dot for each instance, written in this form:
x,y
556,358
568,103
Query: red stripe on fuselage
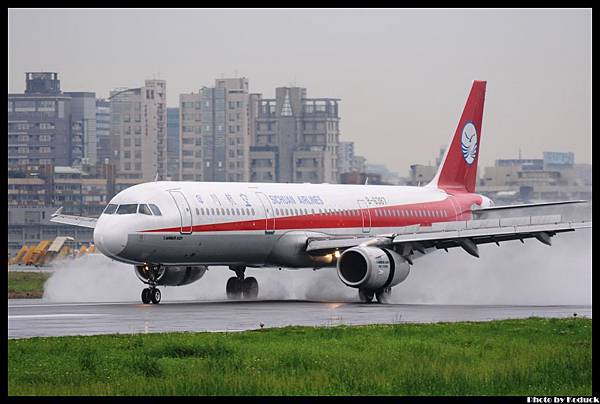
x,y
384,216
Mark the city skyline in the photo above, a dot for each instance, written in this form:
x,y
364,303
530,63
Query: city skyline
x,y
537,64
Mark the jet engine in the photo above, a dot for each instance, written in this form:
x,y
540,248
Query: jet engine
x,y
171,275
371,268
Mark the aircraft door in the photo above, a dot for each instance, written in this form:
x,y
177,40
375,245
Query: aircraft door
x,y
269,214
185,211
366,216
456,207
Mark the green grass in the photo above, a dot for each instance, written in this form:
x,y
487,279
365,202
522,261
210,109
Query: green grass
x,y
26,284
510,357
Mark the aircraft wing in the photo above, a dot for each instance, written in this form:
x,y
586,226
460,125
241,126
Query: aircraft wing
x,y
81,221
444,235
481,211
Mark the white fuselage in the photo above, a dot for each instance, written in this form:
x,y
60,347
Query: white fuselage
x,y
261,224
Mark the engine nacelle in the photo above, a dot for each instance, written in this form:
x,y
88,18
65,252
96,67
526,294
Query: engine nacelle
x,y
372,268
172,275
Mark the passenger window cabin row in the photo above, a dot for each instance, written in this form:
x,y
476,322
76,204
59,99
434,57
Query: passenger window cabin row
x,y
282,212
153,210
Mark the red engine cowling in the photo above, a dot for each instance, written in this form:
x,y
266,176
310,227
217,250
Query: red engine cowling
x,y
372,268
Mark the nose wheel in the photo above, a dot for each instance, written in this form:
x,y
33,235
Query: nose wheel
x,y
151,295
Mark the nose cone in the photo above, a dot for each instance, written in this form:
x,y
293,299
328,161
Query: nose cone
x,y
110,239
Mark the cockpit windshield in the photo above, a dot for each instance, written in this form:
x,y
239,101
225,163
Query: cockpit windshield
x,y
130,208
110,209
127,209
155,209
144,210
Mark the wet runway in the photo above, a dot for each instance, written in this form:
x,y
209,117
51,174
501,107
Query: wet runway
x,y
35,317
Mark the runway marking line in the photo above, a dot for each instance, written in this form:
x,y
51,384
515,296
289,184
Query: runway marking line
x,y
21,316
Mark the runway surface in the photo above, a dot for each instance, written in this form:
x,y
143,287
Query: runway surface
x,y
35,317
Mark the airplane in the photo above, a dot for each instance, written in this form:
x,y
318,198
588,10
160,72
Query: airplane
x,y
172,231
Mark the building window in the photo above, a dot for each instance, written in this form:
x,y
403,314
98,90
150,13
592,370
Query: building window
x,y
24,106
46,106
46,125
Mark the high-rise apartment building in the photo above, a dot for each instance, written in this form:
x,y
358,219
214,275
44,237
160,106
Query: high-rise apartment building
x,y
296,138
173,144
47,126
190,138
39,123
83,127
103,151
345,156
139,130
216,128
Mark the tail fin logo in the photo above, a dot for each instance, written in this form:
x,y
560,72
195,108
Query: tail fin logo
x,y
468,142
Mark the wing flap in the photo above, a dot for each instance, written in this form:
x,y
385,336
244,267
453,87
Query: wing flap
x,y
509,232
317,246
481,211
455,234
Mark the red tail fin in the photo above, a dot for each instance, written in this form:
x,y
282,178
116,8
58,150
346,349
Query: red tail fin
x,y
458,170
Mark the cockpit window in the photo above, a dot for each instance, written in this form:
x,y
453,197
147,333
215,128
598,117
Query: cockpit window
x,y
110,209
144,210
155,209
127,209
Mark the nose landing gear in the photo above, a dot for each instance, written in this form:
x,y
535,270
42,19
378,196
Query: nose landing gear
x,y
241,287
151,295
150,275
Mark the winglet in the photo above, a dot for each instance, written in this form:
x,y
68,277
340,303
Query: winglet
x,y
58,212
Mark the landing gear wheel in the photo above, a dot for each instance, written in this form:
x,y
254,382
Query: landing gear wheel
x,y
146,296
250,288
384,295
366,296
234,288
155,295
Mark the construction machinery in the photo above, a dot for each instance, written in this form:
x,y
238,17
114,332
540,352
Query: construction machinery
x,y
36,255
48,251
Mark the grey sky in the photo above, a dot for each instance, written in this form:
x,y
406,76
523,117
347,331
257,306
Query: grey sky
x,y
403,75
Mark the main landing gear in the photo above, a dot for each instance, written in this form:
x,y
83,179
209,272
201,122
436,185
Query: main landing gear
x,y
241,287
382,295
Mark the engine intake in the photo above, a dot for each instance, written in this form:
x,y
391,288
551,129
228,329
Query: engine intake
x,y
172,275
372,268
